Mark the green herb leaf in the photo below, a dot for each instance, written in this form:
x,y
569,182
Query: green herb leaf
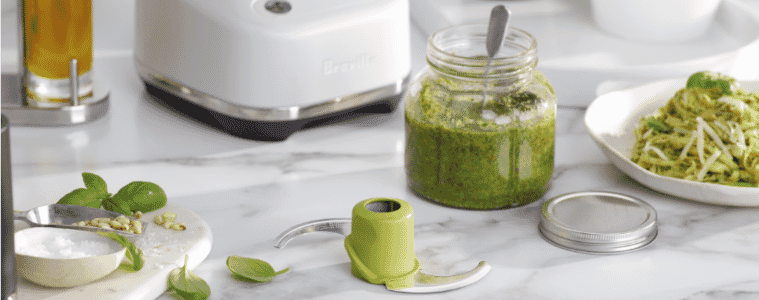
x,y
96,183
133,254
82,197
657,125
252,269
119,207
712,80
187,285
141,195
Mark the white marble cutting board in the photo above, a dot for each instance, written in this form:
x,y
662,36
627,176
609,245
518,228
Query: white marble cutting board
x,y
164,251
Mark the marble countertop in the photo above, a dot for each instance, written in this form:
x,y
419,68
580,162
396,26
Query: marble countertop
x,y
250,191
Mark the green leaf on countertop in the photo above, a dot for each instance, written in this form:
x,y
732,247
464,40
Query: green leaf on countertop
x,y
82,197
186,285
96,183
252,269
119,207
133,254
135,196
141,196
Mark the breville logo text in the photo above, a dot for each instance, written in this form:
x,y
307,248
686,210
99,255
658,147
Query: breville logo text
x,y
360,61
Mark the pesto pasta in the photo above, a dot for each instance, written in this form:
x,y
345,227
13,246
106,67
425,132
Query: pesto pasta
x,y
707,132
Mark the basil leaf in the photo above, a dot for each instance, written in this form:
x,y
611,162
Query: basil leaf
x,y
121,207
133,254
142,196
82,197
187,285
252,269
657,125
96,183
712,80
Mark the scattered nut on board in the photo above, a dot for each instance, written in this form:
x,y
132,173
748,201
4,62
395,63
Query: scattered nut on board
x,y
119,223
168,221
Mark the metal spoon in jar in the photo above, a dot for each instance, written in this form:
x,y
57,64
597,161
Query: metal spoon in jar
x,y
497,28
66,216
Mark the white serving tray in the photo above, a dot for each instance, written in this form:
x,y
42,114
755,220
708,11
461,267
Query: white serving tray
x,y
164,251
577,56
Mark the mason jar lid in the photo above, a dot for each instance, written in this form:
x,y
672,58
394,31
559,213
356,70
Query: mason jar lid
x,y
598,222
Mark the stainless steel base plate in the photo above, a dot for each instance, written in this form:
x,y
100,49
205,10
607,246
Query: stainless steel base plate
x,y
19,114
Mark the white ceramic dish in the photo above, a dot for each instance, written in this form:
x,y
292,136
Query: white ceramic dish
x,y
66,272
611,119
576,55
673,21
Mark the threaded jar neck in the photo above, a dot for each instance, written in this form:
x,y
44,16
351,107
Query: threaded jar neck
x,y
460,52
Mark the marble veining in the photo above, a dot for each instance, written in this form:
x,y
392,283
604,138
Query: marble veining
x,y
249,192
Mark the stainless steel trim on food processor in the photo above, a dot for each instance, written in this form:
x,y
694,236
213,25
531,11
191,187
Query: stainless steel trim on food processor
x,y
269,114
598,222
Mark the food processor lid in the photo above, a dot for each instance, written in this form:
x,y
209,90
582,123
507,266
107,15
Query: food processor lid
x,y
598,222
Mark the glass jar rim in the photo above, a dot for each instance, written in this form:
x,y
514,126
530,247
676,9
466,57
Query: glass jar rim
x,y
512,32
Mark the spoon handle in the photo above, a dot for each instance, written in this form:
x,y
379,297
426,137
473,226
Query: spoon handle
x,y
499,21
21,216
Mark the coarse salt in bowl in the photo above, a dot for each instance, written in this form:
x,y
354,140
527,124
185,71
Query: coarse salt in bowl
x,y
57,257
666,21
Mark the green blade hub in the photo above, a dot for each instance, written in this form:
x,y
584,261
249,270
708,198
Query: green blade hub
x,y
381,242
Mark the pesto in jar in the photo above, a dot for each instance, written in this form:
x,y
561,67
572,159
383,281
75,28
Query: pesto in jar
x,y
457,158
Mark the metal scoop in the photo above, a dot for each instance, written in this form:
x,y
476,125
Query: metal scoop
x,y
497,28
66,216
423,283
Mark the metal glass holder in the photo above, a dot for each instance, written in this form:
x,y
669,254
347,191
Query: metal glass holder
x,y
14,105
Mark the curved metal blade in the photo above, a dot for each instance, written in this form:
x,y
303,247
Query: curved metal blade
x,y
340,226
424,283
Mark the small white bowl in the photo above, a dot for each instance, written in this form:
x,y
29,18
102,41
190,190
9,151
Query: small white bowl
x,y
65,272
668,21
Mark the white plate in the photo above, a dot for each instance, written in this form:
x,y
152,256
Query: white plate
x,y
576,56
611,120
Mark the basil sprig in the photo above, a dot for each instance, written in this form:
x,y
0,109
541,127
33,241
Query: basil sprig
x,y
135,196
133,254
712,80
186,285
252,269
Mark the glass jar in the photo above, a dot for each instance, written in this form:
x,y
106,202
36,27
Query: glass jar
x,y
54,33
464,152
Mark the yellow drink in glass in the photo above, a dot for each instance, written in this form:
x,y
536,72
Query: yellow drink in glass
x,y
54,33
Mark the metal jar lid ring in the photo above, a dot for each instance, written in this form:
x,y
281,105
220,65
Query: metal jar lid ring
x,y
598,222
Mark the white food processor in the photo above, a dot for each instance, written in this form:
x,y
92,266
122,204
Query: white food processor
x,y
263,69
